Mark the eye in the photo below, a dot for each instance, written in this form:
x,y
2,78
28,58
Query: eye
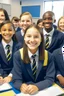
x,y
22,20
27,21
28,36
10,29
4,30
2,15
36,36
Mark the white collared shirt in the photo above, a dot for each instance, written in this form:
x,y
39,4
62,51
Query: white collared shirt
x,y
50,35
36,58
4,46
22,33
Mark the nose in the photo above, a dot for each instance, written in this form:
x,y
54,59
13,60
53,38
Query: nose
x,y
7,31
32,39
25,22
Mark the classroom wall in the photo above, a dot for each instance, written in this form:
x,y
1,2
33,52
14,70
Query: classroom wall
x,y
34,2
15,7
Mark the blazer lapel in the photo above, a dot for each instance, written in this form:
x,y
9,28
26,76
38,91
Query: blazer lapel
x,y
39,68
61,57
53,39
28,67
3,53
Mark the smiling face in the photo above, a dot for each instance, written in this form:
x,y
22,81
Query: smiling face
x,y
61,24
2,16
48,21
25,22
7,32
32,39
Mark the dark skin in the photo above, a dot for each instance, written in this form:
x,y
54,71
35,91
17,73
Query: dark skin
x,y
48,20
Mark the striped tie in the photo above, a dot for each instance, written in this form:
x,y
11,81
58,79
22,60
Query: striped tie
x,y
34,68
47,41
8,53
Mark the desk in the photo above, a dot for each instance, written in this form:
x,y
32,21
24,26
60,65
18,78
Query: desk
x,y
54,90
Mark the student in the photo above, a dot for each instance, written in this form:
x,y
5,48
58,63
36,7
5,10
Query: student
x,y
6,56
40,23
59,65
25,21
44,70
15,20
60,26
55,38
3,15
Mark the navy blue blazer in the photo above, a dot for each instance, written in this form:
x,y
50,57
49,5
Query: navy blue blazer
x,y
18,29
59,63
22,73
19,37
6,67
57,41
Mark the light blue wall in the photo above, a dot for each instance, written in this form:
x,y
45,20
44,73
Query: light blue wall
x,y
34,2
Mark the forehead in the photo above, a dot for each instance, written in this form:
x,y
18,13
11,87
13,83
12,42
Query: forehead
x,y
32,30
1,12
61,20
8,25
47,15
25,17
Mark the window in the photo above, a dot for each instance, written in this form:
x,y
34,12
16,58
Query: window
x,y
56,6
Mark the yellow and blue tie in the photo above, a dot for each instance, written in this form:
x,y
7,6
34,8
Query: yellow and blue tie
x,y
8,53
47,41
34,67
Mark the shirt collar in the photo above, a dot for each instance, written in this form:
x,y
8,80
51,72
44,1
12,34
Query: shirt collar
x,y
50,33
4,43
30,54
22,32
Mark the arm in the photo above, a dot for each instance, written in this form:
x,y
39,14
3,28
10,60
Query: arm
x,y
17,71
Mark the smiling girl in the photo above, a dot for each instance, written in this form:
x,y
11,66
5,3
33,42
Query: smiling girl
x,y
7,49
23,77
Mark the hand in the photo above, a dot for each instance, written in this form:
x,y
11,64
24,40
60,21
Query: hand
x,y
7,79
32,89
61,80
23,88
1,80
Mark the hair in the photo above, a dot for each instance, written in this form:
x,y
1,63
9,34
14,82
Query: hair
x,y
39,20
26,13
16,19
6,22
41,46
58,23
5,13
50,12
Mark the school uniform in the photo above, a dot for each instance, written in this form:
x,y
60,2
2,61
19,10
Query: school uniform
x,y
5,66
20,36
17,29
56,39
58,55
22,73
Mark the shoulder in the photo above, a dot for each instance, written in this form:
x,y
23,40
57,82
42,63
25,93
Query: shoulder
x,y
59,33
57,50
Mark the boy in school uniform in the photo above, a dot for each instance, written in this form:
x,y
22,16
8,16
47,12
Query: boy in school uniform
x,y
53,38
25,21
